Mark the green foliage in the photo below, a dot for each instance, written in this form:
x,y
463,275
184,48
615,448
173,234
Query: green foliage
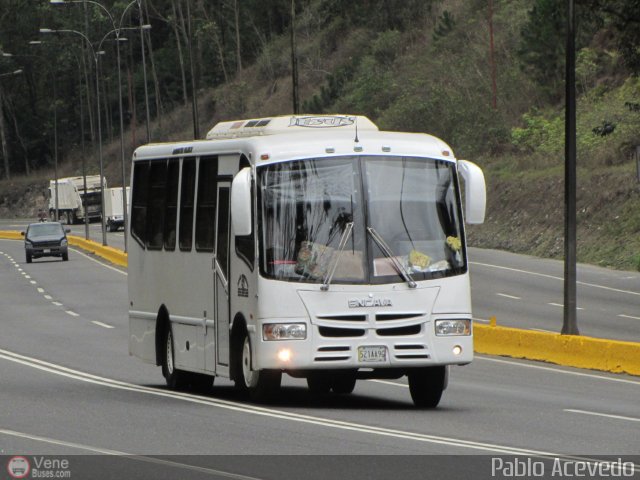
x,y
445,25
539,133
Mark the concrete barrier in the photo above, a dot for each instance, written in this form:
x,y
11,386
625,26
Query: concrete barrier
x,y
568,350
113,255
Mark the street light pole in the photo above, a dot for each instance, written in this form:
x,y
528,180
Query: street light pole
x,y
144,73
3,138
100,159
117,30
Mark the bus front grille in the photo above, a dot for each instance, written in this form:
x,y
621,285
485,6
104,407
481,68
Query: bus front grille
x,y
399,331
333,332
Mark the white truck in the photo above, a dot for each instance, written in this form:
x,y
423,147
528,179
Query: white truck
x,y
113,208
72,198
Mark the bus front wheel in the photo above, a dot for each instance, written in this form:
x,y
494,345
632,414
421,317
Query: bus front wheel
x,y
262,385
176,379
426,385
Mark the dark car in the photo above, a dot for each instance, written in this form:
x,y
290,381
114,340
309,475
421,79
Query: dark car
x,y
46,239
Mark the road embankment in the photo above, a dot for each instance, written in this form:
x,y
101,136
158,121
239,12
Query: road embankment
x,y
568,350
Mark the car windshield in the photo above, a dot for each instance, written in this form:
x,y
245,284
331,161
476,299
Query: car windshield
x,y
409,203
45,229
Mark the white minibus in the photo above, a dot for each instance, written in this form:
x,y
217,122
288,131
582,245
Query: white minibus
x,y
316,246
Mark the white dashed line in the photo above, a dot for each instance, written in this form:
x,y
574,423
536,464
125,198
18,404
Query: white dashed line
x,y
33,282
72,313
48,297
617,417
40,290
57,304
629,316
508,296
100,324
561,305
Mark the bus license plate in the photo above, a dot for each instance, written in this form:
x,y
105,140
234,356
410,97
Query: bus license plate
x,y
372,354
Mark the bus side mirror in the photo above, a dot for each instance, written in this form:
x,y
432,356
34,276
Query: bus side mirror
x,y
475,191
241,202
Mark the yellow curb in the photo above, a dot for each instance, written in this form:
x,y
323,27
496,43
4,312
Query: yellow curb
x,y
114,255
10,235
569,350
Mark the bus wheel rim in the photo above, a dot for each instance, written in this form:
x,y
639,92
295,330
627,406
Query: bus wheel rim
x,y
247,373
169,353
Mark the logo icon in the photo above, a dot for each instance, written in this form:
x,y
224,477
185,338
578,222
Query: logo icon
x,y
18,467
369,302
243,286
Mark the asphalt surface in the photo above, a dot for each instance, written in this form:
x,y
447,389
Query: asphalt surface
x,y
68,387
519,290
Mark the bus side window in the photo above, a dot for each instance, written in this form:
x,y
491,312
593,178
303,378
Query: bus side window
x,y
186,203
171,202
155,206
139,202
206,208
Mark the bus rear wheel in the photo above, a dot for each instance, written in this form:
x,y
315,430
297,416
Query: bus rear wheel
x,y
426,385
262,385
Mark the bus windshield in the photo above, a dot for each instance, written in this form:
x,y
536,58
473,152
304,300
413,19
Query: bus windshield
x,y
407,205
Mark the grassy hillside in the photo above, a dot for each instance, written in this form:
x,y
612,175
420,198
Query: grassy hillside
x,y
429,70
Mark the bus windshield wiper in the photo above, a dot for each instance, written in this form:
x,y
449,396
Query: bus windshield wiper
x,y
386,250
343,242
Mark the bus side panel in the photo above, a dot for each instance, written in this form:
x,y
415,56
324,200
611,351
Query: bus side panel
x,y
142,334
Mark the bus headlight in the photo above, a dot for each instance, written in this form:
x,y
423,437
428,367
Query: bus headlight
x,y
284,331
448,328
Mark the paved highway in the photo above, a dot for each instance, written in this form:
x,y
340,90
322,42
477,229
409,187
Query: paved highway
x,y
69,387
520,291
527,292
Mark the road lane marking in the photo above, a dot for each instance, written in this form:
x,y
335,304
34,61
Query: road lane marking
x,y
607,415
280,414
387,382
124,455
33,282
622,315
98,262
40,290
561,305
544,275
508,296
57,304
557,370
542,330
48,297
72,313
100,324
481,320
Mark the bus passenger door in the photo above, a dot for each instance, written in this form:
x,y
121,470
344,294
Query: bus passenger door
x,y
221,280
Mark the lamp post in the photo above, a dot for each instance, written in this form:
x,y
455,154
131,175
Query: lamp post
x,y
100,159
3,138
84,158
117,30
